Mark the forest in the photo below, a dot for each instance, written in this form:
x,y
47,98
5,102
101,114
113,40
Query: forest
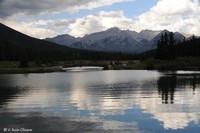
x,y
168,48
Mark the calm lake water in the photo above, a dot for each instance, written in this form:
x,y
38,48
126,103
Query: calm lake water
x,y
103,101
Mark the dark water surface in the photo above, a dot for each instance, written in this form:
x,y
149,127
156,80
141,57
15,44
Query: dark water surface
x,y
103,101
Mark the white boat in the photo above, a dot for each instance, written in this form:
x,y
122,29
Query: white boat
x,y
85,68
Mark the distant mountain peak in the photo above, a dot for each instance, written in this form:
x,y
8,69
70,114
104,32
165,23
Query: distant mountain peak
x,y
165,31
148,34
116,40
64,35
114,29
146,30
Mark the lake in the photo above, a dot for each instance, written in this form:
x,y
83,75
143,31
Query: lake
x,y
102,101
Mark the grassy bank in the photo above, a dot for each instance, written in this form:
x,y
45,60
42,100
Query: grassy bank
x,y
13,68
28,70
183,63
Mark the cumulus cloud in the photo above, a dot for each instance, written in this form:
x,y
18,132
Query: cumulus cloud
x,y
13,7
32,28
75,27
174,15
165,14
98,22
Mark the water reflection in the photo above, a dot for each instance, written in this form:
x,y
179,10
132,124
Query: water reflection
x,y
111,100
168,84
166,88
6,94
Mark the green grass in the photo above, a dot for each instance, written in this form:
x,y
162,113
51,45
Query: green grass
x,y
8,64
28,70
9,67
183,63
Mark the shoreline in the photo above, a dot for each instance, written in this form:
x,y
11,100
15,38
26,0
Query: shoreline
x,y
182,64
28,70
53,69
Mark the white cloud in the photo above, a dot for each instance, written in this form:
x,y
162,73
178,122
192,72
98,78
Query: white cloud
x,y
31,29
92,4
76,27
49,6
98,22
175,15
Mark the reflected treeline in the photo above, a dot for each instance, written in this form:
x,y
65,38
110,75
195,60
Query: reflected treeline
x,y
7,89
166,88
9,93
168,85
6,93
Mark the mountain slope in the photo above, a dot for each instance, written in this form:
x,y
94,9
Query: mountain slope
x,y
113,39
116,40
148,34
177,36
17,46
65,40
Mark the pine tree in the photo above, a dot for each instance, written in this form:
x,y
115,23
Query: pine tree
x,y
171,45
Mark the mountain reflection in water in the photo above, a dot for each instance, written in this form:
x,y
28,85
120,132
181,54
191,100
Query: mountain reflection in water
x,y
107,101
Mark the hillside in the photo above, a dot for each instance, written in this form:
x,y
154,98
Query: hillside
x,y
115,40
17,46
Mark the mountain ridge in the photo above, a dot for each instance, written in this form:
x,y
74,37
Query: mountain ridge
x,y
115,40
16,46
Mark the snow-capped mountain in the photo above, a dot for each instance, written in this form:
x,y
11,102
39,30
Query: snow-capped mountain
x,y
116,40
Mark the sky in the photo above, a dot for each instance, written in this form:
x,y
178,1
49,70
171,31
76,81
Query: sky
x,y
49,18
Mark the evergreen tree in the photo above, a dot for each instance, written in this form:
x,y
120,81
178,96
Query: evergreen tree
x,y
166,39
166,46
169,49
171,45
171,39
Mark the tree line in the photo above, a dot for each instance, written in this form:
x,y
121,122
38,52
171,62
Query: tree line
x,y
47,52
169,48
